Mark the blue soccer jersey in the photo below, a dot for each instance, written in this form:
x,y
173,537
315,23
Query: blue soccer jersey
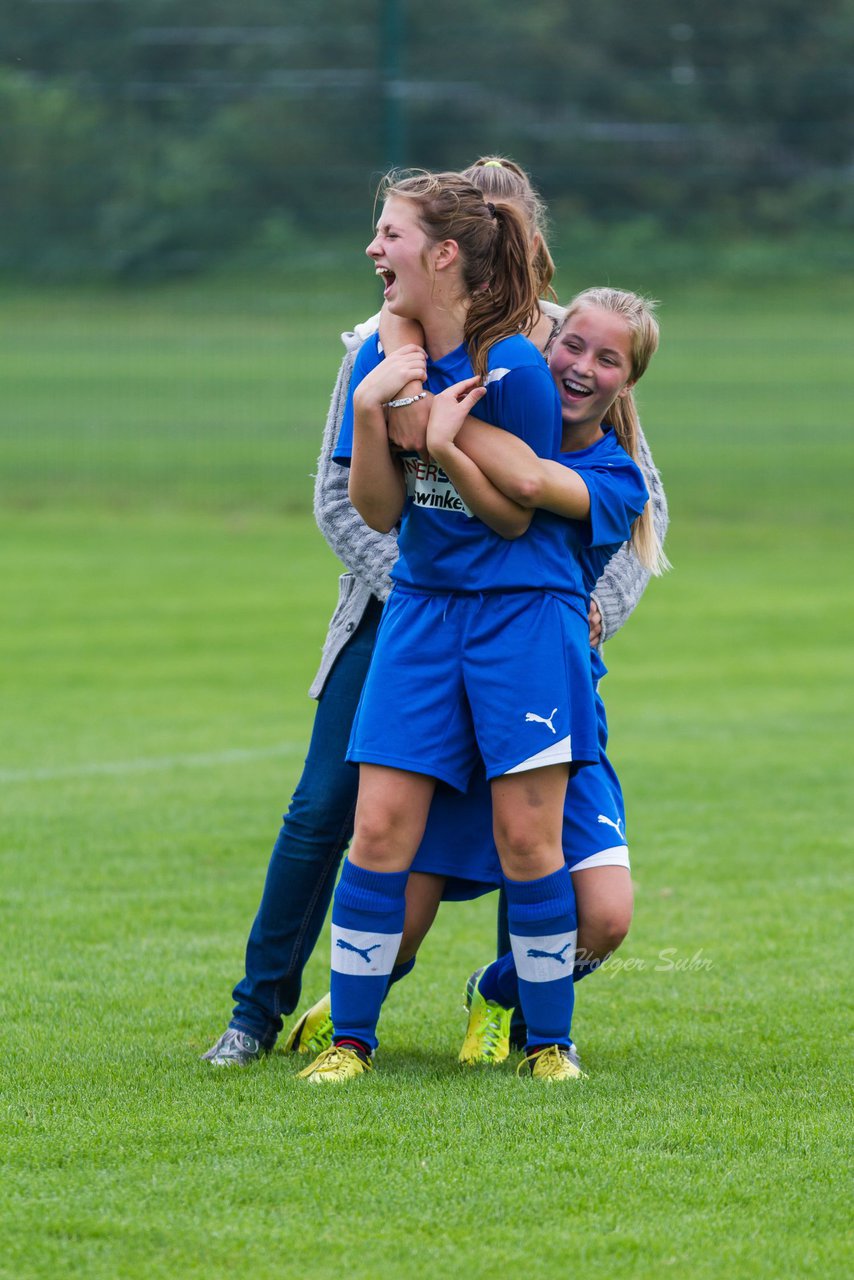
x,y
443,547
618,495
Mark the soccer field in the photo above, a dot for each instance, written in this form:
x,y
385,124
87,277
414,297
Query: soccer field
x,y
165,595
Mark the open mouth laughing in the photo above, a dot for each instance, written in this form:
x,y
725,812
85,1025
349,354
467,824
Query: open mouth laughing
x,y
388,277
576,389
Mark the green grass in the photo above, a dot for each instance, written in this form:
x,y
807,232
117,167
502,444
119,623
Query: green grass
x,y
164,599
197,396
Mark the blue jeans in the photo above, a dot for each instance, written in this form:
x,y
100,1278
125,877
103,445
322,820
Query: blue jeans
x,y
304,863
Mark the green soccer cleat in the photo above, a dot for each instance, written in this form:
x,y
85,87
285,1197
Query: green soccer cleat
x,y
336,1065
554,1064
488,1032
312,1033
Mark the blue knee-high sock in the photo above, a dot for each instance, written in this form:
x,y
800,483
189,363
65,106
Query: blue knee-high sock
x,y
543,928
498,982
367,925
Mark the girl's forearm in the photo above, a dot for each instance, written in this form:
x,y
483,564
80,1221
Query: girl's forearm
x,y
520,474
376,484
397,331
488,503
407,426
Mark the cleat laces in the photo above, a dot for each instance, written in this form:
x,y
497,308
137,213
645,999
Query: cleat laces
x,y
552,1063
492,1029
336,1063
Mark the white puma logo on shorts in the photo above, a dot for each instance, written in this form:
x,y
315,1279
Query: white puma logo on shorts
x,y
532,715
616,825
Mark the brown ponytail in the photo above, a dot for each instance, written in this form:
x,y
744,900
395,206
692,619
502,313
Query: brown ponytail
x,y
508,305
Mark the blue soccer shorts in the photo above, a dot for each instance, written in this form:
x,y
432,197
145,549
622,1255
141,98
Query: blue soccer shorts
x,y
594,819
498,676
458,841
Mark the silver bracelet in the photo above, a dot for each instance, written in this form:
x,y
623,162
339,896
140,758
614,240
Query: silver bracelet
x,y
404,400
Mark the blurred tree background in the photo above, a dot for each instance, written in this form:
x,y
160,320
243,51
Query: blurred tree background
x,y
168,136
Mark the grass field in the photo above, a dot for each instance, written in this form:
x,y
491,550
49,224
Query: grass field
x,y
164,597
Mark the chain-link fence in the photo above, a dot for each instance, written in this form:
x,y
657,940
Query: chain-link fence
x,y
160,136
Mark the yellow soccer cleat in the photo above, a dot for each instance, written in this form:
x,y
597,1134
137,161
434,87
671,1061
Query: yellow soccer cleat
x,y
554,1064
488,1032
312,1033
336,1065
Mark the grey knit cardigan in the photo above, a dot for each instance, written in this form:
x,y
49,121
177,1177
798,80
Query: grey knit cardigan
x,y
369,556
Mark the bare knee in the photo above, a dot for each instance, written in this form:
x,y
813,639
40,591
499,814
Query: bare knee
x,y
527,816
377,839
391,813
605,902
612,929
520,848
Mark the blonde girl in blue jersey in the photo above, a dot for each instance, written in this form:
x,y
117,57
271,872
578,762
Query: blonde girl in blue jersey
x,y
485,631
603,347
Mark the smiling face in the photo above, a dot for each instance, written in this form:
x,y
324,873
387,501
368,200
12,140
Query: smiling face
x,y
591,362
400,252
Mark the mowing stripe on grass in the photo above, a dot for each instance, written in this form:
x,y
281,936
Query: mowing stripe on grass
x,y
151,764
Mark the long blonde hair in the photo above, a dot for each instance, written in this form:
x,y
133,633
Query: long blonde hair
x,y
622,416
495,253
500,178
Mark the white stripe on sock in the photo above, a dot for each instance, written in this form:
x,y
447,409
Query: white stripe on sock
x,y
364,954
553,956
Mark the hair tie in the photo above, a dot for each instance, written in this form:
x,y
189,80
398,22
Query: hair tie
x,y
491,207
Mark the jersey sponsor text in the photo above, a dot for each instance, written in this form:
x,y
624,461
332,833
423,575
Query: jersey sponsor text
x,y
429,486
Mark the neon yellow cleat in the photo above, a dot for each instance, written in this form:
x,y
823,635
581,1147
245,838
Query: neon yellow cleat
x,y
336,1065
553,1064
488,1032
312,1033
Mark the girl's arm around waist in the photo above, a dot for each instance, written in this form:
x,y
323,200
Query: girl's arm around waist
x,y
521,474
